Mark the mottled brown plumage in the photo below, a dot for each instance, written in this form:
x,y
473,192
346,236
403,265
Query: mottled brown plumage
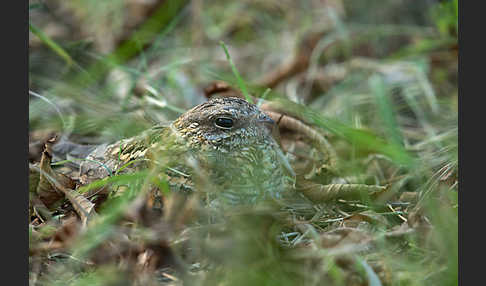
x,y
224,145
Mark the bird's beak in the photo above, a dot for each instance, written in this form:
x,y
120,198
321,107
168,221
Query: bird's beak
x,y
266,120
270,125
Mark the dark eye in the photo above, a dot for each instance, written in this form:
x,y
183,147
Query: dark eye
x,y
224,122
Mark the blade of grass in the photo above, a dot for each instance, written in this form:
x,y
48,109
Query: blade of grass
x,y
45,99
253,89
373,279
264,95
385,108
120,178
241,82
51,44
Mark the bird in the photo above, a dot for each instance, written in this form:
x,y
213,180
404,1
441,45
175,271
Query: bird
x,y
224,144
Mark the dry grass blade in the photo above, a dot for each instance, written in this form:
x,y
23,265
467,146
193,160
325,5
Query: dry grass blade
x,y
84,208
296,125
324,193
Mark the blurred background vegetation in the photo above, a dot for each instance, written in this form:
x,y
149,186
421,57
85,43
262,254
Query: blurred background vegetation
x,y
379,78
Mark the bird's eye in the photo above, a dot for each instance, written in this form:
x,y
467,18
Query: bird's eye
x,y
224,122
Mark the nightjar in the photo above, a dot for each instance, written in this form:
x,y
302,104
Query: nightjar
x,y
223,147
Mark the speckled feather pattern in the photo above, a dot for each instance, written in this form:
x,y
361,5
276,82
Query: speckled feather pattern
x,y
241,161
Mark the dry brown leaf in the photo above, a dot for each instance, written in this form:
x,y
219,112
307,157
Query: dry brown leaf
x,y
344,236
53,187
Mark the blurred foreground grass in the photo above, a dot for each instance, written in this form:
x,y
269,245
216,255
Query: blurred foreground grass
x,y
378,78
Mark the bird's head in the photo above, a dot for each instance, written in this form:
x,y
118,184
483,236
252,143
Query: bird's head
x,y
224,124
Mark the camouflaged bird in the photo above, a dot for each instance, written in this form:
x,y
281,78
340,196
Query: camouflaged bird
x,y
225,143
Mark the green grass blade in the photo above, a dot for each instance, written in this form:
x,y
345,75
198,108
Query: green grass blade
x,y
51,44
241,82
385,109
